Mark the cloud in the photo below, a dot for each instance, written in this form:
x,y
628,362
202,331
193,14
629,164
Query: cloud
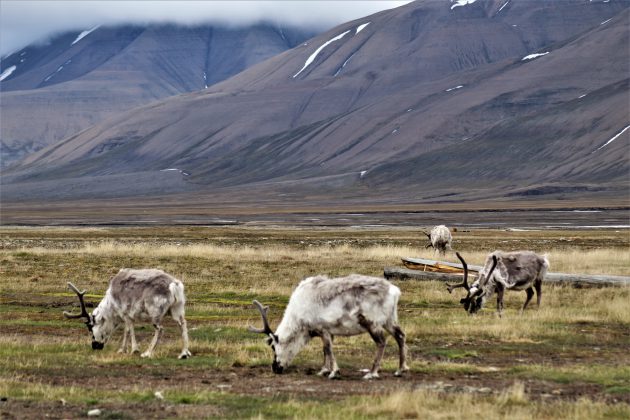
x,y
23,21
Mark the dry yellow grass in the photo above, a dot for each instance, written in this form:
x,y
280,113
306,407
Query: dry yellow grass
x,y
512,403
612,261
578,335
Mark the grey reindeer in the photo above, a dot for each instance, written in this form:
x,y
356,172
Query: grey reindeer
x,y
519,270
440,239
327,307
134,295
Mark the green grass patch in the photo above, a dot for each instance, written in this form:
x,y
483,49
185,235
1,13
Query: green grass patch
x,y
453,354
604,375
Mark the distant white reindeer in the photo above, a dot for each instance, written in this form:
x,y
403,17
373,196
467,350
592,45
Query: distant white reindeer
x,y
440,239
520,270
325,307
134,295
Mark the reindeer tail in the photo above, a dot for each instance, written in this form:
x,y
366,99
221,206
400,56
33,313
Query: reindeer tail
x,y
545,267
177,289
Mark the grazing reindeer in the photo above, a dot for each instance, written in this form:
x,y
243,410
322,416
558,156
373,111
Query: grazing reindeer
x,y
325,307
521,270
134,295
440,239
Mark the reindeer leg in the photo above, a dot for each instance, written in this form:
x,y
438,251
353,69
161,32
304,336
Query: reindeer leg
x,y
181,321
538,287
177,313
123,345
399,336
500,292
330,367
326,368
158,333
530,294
334,368
380,340
132,336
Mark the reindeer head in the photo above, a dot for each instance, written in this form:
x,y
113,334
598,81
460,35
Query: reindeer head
x,y
283,350
103,328
430,244
97,324
475,298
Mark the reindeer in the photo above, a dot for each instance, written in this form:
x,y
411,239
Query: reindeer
x,y
134,295
440,239
324,307
520,270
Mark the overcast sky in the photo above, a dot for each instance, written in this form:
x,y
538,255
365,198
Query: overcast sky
x,y
23,22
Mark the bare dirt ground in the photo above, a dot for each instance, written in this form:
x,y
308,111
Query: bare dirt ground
x,y
302,383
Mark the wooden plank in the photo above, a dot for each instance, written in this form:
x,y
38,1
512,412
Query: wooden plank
x,y
406,274
577,280
420,263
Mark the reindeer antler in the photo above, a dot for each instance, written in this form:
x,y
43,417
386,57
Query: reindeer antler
x,y
494,265
84,313
464,283
263,312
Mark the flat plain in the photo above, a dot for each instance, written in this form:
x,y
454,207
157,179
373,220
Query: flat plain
x,y
568,359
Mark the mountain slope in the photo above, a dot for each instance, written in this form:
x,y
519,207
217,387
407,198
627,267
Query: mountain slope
x,y
484,96
58,89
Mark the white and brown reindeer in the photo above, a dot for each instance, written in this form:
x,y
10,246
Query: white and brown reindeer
x,y
440,239
519,270
327,307
135,295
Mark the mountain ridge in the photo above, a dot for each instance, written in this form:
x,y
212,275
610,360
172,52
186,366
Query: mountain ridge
x,y
113,69
378,127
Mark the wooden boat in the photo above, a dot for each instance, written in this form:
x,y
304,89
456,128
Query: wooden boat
x,y
438,266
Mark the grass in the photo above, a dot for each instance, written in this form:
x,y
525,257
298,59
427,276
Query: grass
x,y
566,360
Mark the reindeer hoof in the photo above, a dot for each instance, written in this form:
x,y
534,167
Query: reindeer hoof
x,y
323,372
371,375
146,355
334,375
400,372
185,355
121,351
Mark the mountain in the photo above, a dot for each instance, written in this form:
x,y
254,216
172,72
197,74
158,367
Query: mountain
x,y
55,90
434,101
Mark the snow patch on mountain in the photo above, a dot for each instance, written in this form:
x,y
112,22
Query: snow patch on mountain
x,y
312,57
7,72
532,56
361,27
84,34
343,65
459,3
175,170
614,138
57,71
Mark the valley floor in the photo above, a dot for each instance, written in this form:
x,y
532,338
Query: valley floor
x,y
567,359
